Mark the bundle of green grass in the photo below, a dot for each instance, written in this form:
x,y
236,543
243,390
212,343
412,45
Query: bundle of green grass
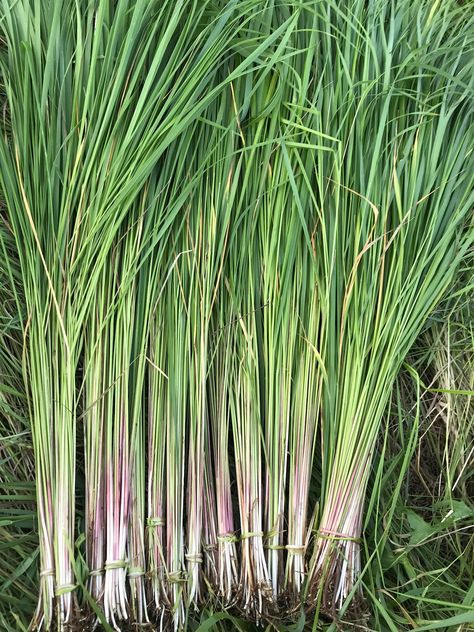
x,y
223,226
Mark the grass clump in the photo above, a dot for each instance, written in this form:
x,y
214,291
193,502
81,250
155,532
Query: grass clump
x,y
226,232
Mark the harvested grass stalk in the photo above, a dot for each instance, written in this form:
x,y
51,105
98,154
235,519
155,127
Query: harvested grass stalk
x,y
395,218
231,225
132,78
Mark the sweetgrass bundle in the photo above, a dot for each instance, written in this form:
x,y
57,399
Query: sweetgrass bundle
x,y
223,226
